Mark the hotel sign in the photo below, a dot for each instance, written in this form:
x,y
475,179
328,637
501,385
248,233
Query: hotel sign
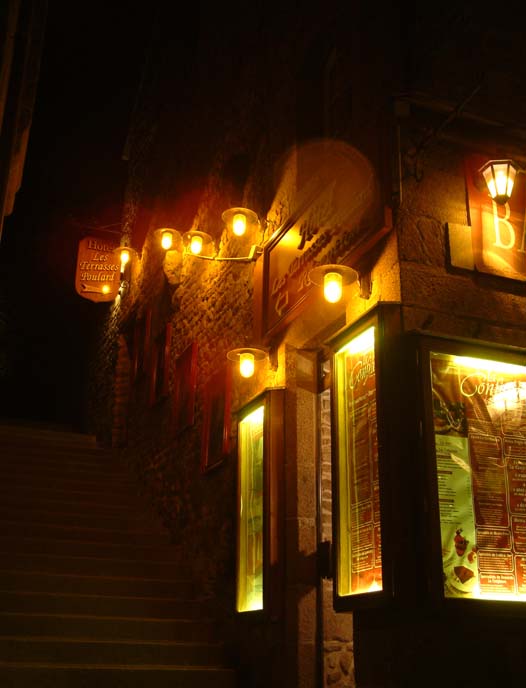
x,y
97,276
495,240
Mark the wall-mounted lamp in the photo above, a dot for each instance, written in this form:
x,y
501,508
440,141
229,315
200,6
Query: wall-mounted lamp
x,y
238,220
195,241
124,254
499,176
246,358
332,278
169,238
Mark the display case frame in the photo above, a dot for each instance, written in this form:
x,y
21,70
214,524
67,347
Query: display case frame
x,y
466,560
272,401
360,525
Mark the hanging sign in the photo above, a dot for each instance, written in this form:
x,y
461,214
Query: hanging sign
x,y
97,276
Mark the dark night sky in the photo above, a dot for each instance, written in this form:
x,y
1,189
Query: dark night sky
x,y
73,180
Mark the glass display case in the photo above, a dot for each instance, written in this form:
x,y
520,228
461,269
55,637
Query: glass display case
x,y
250,505
359,554
476,439
364,359
260,504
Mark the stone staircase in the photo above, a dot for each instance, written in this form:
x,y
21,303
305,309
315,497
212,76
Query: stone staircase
x,y
91,591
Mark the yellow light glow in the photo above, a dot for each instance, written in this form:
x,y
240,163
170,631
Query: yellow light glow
x,y
501,185
196,244
363,342
167,240
486,364
255,417
106,288
239,224
333,287
251,515
125,258
246,364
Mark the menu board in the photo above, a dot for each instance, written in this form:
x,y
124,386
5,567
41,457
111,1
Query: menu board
x,y
250,512
359,544
479,416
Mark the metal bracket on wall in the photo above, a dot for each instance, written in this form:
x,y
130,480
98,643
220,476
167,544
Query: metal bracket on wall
x,y
365,281
325,559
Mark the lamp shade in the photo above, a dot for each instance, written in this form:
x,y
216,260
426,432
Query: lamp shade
x,y
332,278
124,255
246,358
238,220
169,238
499,176
195,241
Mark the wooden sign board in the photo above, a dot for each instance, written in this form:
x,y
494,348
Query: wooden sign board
x,y
97,275
334,206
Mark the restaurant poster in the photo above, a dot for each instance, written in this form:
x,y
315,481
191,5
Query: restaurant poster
x,y
359,547
479,418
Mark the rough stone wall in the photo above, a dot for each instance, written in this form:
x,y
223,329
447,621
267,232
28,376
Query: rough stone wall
x,y
397,646
211,303
101,389
338,644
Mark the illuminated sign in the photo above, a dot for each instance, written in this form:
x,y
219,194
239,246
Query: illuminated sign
x,y
479,418
359,548
97,276
495,241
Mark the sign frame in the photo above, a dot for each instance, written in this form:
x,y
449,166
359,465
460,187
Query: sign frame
x,y
386,320
95,260
432,552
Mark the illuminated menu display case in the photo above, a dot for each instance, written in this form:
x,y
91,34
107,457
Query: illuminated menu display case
x,y
475,400
260,504
364,362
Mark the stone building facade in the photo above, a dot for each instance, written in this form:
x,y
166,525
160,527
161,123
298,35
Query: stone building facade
x,y
351,132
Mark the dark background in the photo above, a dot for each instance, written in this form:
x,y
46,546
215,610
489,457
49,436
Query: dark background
x,y
73,185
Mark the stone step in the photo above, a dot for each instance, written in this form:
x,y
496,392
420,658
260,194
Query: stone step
x,y
55,446
58,483
41,432
112,519
17,452
15,544
91,591
38,434
60,532
57,458
90,566
88,504
107,627
37,581
49,493
100,652
102,605
25,675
